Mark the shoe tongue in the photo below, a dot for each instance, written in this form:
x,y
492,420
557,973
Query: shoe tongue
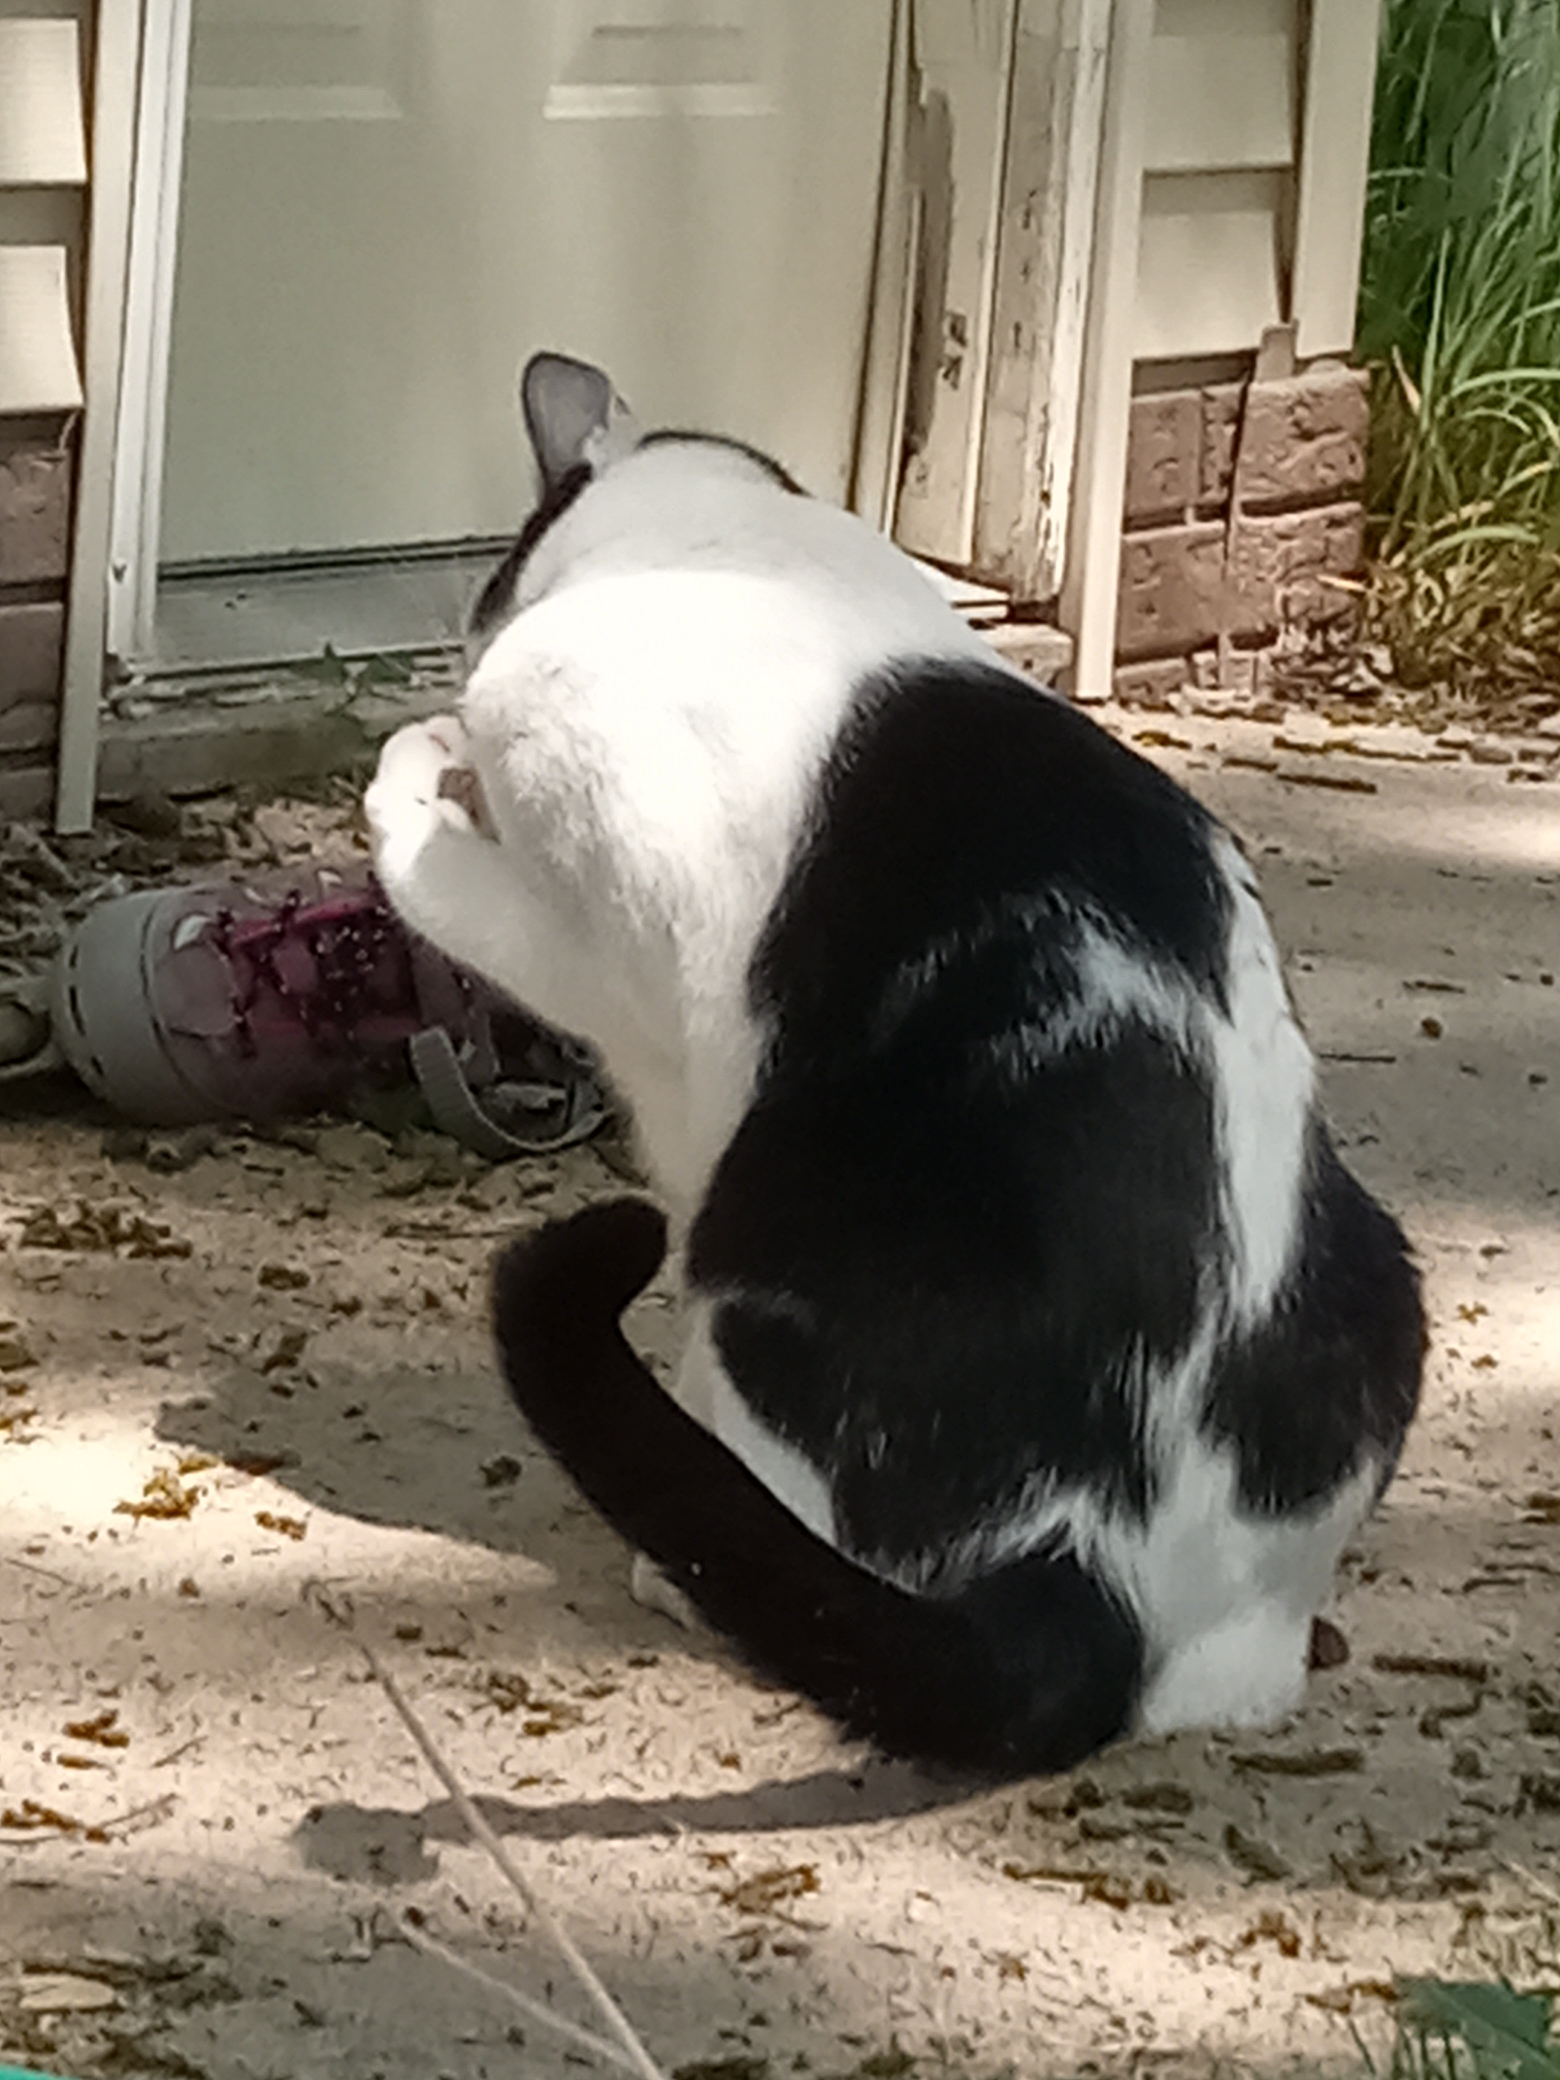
x,y
203,985
294,968
444,1000
195,987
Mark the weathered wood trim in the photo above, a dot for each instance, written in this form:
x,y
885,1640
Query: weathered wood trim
x,y
1041,293
1334,164
964,56
880,423
1094,538
113,132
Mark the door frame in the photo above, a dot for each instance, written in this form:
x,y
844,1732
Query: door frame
x,y
136,528
116,89
139,153
155,174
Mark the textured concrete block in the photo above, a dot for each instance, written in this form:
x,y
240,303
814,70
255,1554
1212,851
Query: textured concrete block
x,y
1304,438
29,725
1171,579
1220,407
1150,685
26,787
35,484
32,648
1279,563
1162,454
1045,653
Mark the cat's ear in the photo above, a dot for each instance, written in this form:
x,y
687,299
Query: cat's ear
x,y
574,415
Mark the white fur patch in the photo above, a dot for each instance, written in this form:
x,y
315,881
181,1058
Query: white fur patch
x,y
658,1592
1226,1598
1116,986
704,1389
648,731
1266,1087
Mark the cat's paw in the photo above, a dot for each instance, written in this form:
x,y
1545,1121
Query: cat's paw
x,y
650,1587
424,784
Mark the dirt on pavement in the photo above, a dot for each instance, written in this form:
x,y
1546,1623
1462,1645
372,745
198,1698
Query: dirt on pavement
x,y
232,1367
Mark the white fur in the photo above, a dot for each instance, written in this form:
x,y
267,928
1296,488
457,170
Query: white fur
x,y
705,1390
1267,1089
1226,1598
648,731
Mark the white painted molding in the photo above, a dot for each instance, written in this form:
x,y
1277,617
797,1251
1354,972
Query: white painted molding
x,y
874,482
1092,577
148,313
1085,142
42,139
113,138
1334,167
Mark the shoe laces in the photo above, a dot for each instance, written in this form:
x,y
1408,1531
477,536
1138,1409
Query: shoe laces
x,y
344,979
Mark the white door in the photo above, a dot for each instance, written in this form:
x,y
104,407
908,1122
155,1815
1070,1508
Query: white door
x,y
388,204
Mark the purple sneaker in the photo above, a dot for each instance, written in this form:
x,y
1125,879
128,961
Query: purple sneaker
x,y
274,994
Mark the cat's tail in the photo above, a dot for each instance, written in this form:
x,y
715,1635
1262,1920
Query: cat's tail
x,y
1027,1669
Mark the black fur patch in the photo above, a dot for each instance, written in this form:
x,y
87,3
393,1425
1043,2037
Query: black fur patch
x,y
1029,1669
944,1251
1333,1374
667,435
959,802
496,601
965,1289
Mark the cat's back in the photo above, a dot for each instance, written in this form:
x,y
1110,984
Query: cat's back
x,y
691,585
962,808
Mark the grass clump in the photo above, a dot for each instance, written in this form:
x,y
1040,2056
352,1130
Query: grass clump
x,y
1460,320
1472,2031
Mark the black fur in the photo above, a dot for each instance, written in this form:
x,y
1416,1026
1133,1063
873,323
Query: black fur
x,y
496,601
970,1210
1031,1668
1334,1370
775,471
950,1256
959,807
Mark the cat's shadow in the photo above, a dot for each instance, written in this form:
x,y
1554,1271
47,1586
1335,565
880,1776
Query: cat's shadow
x,y
442,1453
391,1846
437,1455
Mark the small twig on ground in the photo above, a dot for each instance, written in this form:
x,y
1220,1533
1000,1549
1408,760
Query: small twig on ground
x,y
1529,1878
147,1815
638,2058
173,1754
48,860
420,1939
49,1574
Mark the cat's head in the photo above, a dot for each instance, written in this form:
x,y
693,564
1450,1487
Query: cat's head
x,y
580,431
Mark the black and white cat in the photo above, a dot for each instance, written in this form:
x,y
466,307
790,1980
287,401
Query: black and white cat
x,y
1044,1356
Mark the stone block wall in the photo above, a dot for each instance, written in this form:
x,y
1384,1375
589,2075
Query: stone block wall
x,y
1242,503
36,473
